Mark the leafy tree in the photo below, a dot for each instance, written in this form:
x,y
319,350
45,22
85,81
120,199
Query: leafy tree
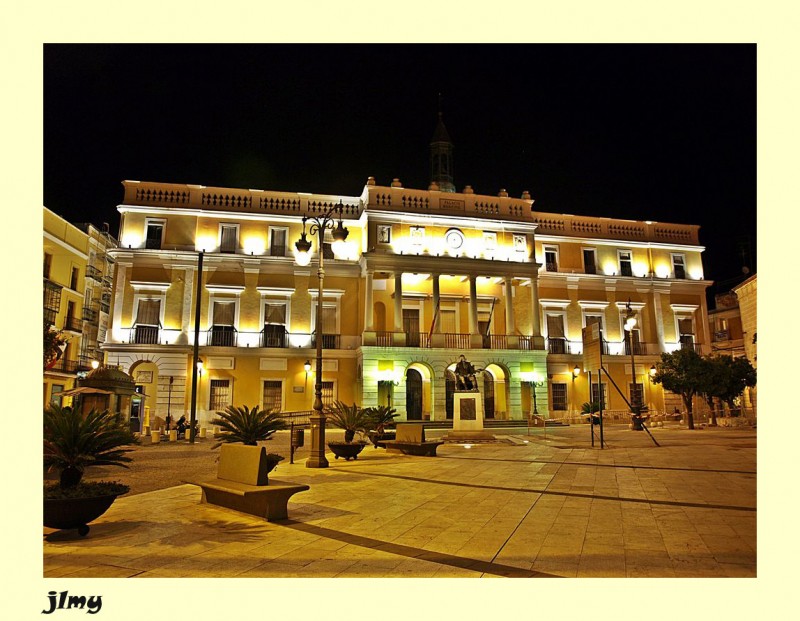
x,y
711,383
52,343
682,372
248,426
736,374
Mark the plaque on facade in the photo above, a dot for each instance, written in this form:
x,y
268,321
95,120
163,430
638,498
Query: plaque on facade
x,y
468,409
451,204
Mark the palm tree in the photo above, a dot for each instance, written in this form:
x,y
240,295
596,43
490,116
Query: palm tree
x,y
248,426
74,441
351,418
381,415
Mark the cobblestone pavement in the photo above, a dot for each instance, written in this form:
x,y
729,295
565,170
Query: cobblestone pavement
x,y
530,506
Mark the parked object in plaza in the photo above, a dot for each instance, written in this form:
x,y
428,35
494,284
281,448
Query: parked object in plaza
x,y
411,441
73,441
242,484
353,420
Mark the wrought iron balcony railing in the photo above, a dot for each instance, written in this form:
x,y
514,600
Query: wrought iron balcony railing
x,y
274,336
73,324
144,335
329,341
222,336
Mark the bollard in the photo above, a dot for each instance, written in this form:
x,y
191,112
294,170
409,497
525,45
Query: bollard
x,y
155,437
173,435
202,432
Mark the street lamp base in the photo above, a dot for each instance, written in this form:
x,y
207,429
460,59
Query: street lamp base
x,y
315,461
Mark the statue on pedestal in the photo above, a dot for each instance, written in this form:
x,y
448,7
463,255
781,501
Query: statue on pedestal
x,y
465,374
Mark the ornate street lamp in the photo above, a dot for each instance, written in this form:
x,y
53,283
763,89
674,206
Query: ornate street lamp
x,y
319,224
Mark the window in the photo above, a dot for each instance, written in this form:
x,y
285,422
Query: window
x,y
551,258
594,318
329,329
686,332
274,324
273,395
596,396
277,242
154,234
220,394
636,394
679,266
411,326
55,394
328,393
147,322
73,280
625,262
447,320
223,332
228,237
590,261
556,341
48,263
559,397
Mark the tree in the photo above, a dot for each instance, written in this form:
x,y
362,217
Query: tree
x,y
711,383
736,374
246,425
53,345
682,372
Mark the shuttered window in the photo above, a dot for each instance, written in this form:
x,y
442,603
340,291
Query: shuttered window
x,y
149,313
273,393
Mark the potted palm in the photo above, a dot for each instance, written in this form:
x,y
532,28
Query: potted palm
x,y
590,409
74,441
382,416
249,426
353,420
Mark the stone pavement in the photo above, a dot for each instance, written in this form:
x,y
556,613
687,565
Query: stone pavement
x,y
531,506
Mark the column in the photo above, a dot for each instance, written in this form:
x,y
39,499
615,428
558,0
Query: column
x,y
437,338
120,282
398,302
536,328
186,308
473,304
399,337
475,339
437,324
510,327
659,320
368,304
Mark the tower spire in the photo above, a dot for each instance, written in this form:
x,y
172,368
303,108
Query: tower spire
x,y
441,155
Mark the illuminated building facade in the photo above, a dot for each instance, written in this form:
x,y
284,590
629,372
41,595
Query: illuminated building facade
x,y
424,276
78,273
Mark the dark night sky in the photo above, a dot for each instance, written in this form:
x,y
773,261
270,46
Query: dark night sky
x,y
646,132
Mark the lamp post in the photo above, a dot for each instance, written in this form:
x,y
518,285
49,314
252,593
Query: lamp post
x,y
576,371
636,407
319,224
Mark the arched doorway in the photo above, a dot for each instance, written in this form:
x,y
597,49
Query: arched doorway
x,y
488,395
449,389
413,395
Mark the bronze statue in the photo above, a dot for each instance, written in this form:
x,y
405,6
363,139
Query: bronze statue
x,y
465,374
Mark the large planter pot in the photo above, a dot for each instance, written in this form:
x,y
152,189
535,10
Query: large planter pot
x,y
67,513
347,450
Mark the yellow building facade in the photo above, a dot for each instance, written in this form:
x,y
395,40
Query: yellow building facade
x,y
423,277
78,274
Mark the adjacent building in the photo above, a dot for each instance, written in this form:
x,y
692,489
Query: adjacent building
x,y
77,294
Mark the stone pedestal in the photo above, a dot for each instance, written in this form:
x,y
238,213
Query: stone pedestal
x,y
468,417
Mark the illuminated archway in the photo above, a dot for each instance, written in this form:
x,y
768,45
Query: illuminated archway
x,y
419,391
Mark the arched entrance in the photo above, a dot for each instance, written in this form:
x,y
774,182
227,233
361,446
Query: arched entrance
x,y
413,395
449,389
488,395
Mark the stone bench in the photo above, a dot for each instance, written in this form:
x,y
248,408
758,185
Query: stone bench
x,y
410,440
241,484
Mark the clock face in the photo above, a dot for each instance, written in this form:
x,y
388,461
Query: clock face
x,y
454,238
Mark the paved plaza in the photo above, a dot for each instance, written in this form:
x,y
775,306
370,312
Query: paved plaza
x,y
532,505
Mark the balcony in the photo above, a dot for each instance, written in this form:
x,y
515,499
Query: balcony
x,y
274,336
73,324
144,335
50,315
222,336
90,315
70,366
94,273
642,349
722,335
329,341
